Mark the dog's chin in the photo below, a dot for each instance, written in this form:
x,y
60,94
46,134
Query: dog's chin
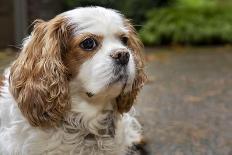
x,y
122,81
122,78
113,88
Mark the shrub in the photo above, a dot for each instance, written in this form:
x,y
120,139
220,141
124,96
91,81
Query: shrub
x,y
188,25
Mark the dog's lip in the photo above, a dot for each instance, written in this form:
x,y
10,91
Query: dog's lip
x,y
120,74
120,78
119,69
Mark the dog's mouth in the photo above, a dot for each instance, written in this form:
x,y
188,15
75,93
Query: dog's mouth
x,y
119,77
119,80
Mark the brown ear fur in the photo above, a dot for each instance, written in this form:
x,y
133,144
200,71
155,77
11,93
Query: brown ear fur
x,y
126,100
38,78
1,80
1,83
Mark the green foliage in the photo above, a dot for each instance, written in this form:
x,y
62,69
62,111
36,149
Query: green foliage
x,y
195,3
188,25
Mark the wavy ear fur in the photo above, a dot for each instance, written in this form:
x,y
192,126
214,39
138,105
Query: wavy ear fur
x,y
38,79
126,100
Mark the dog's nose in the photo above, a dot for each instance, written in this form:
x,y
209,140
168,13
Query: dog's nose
x,y
121,57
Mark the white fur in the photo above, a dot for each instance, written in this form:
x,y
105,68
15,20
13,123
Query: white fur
x,y
17,137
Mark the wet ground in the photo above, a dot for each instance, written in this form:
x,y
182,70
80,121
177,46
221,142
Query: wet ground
x,y
186,107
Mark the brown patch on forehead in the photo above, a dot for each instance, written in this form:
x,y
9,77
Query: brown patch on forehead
x,y
76,56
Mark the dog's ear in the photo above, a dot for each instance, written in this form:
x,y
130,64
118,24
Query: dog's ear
x,y
126,100
38,78
1,82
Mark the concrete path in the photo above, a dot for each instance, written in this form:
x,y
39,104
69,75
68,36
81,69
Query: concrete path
x,y
186,108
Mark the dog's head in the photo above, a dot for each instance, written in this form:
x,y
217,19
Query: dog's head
x,y
93,49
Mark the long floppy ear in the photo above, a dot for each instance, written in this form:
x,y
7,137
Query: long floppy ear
x,y
126,100
38,79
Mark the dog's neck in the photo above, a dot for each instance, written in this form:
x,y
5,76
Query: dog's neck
x,y
91,104
96,116
92,125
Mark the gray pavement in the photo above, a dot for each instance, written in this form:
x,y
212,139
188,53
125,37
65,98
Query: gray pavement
x,y
186,108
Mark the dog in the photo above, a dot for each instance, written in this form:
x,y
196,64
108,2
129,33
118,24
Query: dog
x,y
72,87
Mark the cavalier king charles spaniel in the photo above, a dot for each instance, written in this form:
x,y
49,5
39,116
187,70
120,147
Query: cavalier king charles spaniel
x,y
72,87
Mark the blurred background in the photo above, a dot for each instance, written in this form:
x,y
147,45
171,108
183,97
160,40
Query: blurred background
x,y
186,105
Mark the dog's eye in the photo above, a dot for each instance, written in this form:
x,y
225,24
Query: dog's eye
x,y
88,44
124,40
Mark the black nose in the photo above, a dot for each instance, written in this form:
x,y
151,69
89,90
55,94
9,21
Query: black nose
x,y
121,57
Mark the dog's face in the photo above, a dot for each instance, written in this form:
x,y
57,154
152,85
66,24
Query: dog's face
x,y
93,50
101,40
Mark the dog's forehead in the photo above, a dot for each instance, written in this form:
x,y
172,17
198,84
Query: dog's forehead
x,y
96,20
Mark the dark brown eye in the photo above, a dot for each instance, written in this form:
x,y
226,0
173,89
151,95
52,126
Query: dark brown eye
x,y
88,44
124,40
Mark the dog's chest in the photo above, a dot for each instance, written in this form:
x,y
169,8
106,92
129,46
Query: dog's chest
x,y
70,142
87,144
85,138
